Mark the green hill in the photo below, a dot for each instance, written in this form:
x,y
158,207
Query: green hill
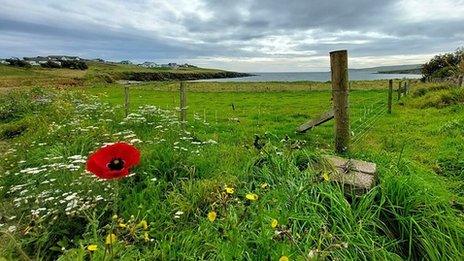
x,y
399,69
11,77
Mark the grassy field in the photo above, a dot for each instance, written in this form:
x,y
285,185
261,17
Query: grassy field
x,y
98,73
209,193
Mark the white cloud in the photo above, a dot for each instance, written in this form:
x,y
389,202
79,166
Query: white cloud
x,y
430,10
243,35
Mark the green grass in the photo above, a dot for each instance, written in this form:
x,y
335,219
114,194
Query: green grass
x,y
97,73
414,211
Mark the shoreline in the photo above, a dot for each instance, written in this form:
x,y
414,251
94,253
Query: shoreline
x,y
184,76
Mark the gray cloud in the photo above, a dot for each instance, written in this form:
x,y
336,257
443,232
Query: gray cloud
x,y
239,35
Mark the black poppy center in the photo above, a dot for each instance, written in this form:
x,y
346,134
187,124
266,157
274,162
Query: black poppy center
x,y
116,164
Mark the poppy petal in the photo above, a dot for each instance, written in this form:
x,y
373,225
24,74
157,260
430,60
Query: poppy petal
x,y
98,162
127,152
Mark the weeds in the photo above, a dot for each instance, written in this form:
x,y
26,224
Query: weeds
x,y
201,194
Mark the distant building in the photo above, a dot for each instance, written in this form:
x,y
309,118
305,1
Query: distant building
x,y
170,65
33,63
36,61
165,65
64,57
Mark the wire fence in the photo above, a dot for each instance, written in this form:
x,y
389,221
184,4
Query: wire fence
x,y
371,114
251,115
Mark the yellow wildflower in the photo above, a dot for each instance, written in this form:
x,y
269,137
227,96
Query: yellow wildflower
x,y
110,239
284,258
251,197
122,225
143,224
326,177
146,237
230,190
264,185
115,217
212,216
92,248
274,223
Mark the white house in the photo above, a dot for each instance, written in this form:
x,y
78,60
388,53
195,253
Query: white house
x,y
33,63
149,65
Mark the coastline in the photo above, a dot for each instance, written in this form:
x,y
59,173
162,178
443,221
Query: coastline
x,y
184,76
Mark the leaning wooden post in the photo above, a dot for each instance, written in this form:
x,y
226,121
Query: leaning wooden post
x,y
126,100
183,105
390,95
405,88
339,68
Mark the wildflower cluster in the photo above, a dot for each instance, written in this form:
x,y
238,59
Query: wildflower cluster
x,y
128,231
46,181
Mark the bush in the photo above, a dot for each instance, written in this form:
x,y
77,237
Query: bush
x,y
17,62
51,64
443,65
77,65
444,72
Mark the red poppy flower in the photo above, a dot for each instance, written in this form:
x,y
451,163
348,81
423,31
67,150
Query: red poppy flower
x,y
113,161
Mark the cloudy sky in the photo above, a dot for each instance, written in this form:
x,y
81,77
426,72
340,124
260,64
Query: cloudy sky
x,y
241,35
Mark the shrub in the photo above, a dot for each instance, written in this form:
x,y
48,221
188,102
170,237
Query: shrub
x,y
444,72
78,65
51,64
17,62
443,65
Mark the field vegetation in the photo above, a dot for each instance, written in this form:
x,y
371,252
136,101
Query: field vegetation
x,y
445,65
99,73
237,183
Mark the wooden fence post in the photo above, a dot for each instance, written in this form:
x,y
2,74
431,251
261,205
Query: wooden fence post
x,y
339,68
390,95
399,90
405,87
126,100
183,105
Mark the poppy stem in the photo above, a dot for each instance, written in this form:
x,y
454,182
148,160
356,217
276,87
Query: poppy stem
x,y
117,188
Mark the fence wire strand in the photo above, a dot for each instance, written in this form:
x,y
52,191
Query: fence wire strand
x,y
371,116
